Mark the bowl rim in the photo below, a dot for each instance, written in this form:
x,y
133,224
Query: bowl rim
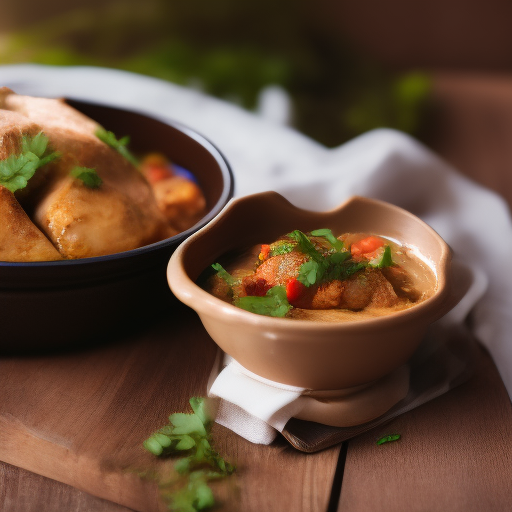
x,y
227,193
186,290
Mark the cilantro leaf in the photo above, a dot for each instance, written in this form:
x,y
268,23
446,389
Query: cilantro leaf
x,y
281,247
306,245
224,274
327,233
388,439
274,303
201,410
385,260
187,424
88,176
16,170
190,433
311,272
120,145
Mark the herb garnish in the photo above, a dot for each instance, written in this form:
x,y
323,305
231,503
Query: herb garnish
x,y
384,261
388,439
120,145
327,233
88,176
190,434
274,303
16,170
281,247
224,274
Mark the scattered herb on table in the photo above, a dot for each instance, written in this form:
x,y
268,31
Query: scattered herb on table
x,y
189,435
388,439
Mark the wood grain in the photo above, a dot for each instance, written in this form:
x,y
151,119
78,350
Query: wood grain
x,y
23,490
80,418
455,454
472,127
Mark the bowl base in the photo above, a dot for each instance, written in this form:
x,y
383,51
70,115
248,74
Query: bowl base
x,y
358,405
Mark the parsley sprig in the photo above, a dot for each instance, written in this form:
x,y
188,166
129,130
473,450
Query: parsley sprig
x,y
189,435
388,439
274,303
88,176
16,170
224,274
336,244
334,265
121,145
281,247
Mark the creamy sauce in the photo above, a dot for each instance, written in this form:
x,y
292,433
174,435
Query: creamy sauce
x,y
422,282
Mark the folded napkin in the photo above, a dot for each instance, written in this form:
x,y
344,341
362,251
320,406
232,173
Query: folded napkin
x,y
382,164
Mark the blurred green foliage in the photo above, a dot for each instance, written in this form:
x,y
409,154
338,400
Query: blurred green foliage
x,y
232,50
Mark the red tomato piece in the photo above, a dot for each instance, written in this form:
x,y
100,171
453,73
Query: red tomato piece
x,y
294,290
366,245
265,251
154,173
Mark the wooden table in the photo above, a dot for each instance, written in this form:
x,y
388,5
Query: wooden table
x,y
455,452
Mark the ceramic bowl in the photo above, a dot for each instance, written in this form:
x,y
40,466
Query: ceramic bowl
x,y
52,304
312,354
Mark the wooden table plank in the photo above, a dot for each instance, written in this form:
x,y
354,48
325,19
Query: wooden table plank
x,y
80,418
455,454
23,490
472,127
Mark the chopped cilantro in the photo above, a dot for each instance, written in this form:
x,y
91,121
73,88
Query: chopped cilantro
x,y
190,434
120,145
311,272
16,170
388,439
327,233
88,176
306,246
224,274
274,303
281,247
384,261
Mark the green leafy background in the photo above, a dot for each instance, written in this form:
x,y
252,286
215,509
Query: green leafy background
x,y
232,50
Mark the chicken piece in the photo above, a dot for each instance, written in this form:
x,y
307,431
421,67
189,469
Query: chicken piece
x,y
273,272
368,288
20,239
12,127
324,296
181,201
51,113
122,214
401,282
84,222
383,295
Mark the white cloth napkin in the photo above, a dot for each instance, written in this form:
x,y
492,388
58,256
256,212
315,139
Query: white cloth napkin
x,y
382,164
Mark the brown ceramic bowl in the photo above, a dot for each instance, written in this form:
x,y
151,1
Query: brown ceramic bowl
x,y
311,354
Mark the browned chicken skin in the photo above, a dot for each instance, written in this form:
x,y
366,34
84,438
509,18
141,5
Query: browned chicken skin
x,y
79,221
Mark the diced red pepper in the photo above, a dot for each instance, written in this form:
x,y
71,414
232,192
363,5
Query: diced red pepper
x,y
294,290
265,251
154,174
156,167
366,245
